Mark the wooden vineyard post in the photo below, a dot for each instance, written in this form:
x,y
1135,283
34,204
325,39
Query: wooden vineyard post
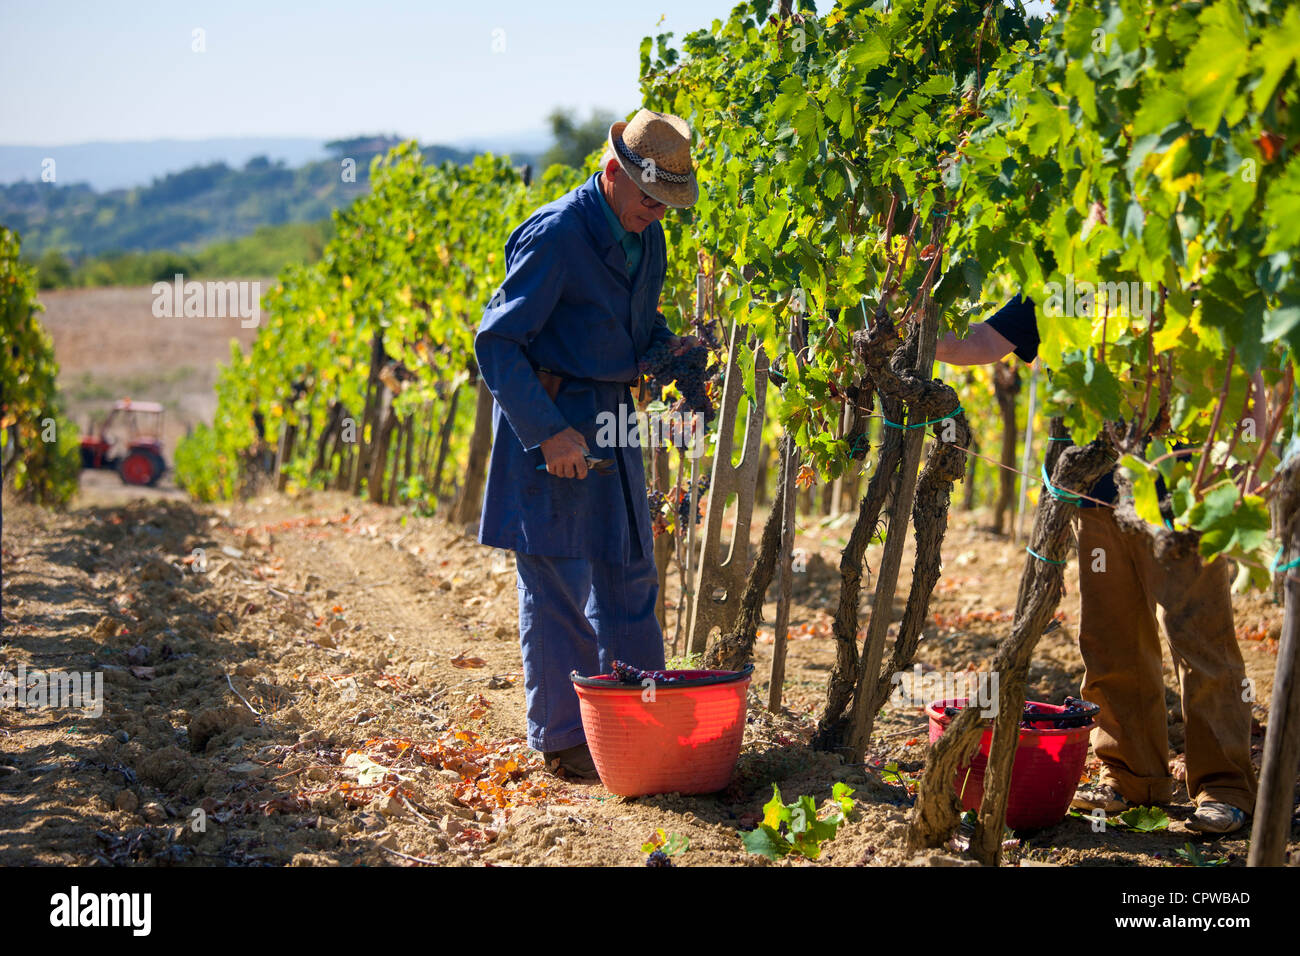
x,y
408,442
663,543
1027,455
380,439
330,429
787,459
444,441
426,446
288,434
720,580
692,509
835,489
785,583
968,491
1277,777
401,459
368,417
480,445
344,447
1006,384
684,554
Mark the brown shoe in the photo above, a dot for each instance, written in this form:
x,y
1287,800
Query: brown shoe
x,y
1102,797
573,761
1214,817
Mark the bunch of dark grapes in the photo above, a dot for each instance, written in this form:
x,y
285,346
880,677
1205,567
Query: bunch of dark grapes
x,y
708,334
658,520
1077,713
627,674
658,858
684,505
662,367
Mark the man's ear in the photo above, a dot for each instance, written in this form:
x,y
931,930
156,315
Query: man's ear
x,y
611,167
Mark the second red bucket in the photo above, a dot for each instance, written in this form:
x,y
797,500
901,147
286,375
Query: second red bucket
x,y
1048,764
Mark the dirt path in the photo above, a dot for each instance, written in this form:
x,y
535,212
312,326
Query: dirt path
x,y
379,653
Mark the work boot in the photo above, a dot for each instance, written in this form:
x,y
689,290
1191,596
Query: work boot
x,y
574,761
1101,797
1214,817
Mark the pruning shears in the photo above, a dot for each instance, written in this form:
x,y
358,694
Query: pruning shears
x,y
601,466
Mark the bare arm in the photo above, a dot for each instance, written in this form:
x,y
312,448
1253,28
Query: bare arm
x,y
982,346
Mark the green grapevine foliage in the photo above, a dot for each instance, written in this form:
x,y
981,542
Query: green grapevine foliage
x,y
418,258
856,162
1126,141
38,445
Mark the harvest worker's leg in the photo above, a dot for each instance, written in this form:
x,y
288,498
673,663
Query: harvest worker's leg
x,y
1197,603
1120,643
556,638
622,611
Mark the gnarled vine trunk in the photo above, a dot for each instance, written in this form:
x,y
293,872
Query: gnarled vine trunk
x,y
734,649
1006,385
1277,783
899,372
937,810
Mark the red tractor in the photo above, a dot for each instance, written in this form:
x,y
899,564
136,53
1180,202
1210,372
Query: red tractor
x,y
129,441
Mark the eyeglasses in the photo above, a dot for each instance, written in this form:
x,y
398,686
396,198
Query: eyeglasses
x,y
653,205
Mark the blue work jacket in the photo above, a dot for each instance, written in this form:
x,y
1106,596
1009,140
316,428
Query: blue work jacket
x,y
568,305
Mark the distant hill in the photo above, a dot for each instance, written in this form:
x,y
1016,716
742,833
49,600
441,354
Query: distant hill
x,y
105,166
187,210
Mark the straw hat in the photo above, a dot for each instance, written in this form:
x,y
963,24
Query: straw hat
x,y
654,149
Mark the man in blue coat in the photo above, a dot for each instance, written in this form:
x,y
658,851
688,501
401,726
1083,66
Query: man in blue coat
x,y
558,349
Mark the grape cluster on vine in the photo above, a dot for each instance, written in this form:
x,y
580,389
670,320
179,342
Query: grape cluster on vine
x,y
658,519
687,370
708,334
684,505
659,502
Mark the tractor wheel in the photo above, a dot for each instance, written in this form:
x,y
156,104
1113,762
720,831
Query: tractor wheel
x,y
159,466
141,468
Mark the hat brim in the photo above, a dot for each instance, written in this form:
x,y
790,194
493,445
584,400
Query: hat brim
x,y
676,195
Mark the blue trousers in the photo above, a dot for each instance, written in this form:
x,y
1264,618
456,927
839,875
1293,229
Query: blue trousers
x,y
580,615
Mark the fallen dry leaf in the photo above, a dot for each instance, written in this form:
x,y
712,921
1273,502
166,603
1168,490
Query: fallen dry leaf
x,y
460,660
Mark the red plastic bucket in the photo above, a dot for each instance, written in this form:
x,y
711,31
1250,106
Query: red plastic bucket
x,y
1048,764
685,740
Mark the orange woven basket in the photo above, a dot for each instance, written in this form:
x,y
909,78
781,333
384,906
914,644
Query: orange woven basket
x,y
672,738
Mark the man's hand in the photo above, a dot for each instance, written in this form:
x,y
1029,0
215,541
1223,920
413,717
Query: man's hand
x,y
682,343
565,454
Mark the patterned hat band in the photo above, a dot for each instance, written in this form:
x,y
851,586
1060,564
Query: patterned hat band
x,y
641,163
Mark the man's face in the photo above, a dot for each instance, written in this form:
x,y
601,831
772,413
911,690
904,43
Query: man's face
x,y
629,201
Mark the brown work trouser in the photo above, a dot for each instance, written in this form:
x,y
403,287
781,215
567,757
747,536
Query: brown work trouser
x,y
1120,643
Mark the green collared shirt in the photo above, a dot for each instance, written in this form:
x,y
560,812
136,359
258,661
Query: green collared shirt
x,y
630,241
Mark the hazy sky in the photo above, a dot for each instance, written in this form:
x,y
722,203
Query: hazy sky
x,y
77,71
72,72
